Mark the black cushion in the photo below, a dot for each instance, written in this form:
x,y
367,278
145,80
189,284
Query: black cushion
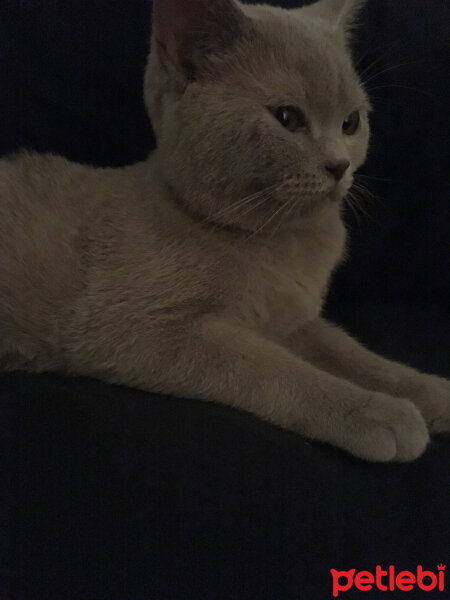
x,y
110,493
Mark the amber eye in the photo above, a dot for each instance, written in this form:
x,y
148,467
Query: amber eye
x,y
351,124
291,118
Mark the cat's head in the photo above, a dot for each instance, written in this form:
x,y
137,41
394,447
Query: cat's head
x,y
258,111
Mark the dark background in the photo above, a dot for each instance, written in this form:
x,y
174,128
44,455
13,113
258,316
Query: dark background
x,y
110,493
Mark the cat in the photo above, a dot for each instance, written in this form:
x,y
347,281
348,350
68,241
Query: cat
x,y
202,271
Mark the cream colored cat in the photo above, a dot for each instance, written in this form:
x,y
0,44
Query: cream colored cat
x,y
201,272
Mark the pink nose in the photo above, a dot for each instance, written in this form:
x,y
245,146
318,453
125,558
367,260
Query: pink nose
x,y
337,168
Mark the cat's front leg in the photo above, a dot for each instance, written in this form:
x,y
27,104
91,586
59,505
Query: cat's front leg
x,y
332,349
218,360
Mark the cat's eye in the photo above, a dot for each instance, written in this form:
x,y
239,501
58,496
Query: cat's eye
x,y
351,124
290,117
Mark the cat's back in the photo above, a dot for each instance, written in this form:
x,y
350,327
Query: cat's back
x,y
42,215
34,184
45,204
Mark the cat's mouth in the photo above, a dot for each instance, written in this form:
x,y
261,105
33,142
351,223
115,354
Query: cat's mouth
x,y
341,189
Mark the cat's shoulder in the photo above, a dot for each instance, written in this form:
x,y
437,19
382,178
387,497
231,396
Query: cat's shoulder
x,y
36,161
30,169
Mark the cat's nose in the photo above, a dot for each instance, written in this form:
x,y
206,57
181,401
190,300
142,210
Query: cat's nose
x,y
337,168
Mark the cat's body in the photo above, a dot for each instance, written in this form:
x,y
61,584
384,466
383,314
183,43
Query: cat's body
x,y
197,272
101,229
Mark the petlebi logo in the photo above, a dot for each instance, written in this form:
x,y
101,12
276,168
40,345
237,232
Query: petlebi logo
x,y
388,580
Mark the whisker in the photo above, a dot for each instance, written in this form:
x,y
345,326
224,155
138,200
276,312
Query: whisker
x,y
264,225
402,87
384,49
362,188
389,102
254,206
244,201
376,61
364,197
350,203
357,198
265,195
391,68
284,217
371,177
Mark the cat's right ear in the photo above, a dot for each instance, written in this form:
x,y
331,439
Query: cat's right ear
x,y
187,32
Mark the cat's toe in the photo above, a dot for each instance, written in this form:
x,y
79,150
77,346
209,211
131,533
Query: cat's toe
x,y
391,429
411,436
431,395
441,425
441,422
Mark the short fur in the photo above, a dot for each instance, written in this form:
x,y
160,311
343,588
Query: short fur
x,y
202,271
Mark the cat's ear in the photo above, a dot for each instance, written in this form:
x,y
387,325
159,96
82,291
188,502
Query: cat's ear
x,y
186,32
340,13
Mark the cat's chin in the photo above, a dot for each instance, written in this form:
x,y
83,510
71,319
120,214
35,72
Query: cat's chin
x,y
339,193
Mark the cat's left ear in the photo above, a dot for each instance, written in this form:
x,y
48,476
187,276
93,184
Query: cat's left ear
x,y
186,32
339,13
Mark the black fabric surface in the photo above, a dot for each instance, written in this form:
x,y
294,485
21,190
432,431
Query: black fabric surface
x,y
110,493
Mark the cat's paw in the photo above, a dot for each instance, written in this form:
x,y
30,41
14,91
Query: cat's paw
x,y
431,395
386,429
